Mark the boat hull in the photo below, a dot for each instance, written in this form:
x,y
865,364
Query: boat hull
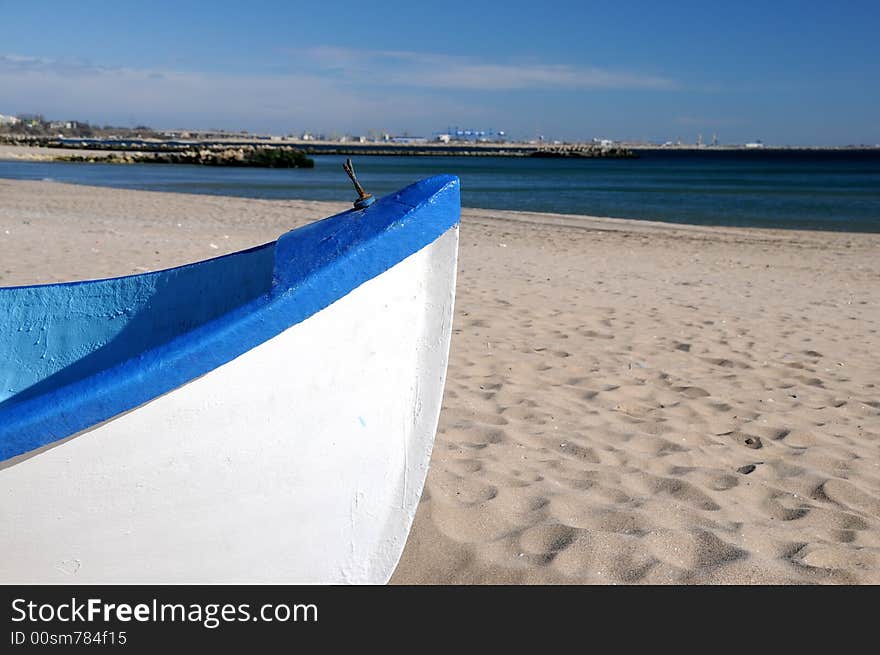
x,y
300,461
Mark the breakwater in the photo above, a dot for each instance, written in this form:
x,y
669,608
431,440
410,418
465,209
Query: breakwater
x,y
346,148
245,156
584,151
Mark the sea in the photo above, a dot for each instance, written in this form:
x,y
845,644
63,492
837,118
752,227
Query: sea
x,y
791,189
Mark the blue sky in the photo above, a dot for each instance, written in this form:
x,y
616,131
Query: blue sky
x,y
781,71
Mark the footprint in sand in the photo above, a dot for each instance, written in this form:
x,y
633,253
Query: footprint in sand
x,y
833,556
682,491
847,494
692,392
456,489
584,453
792,510
547,540
574,512
691,550
747,440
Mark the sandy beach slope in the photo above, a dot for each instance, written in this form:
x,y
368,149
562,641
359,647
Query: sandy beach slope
x,y
627,402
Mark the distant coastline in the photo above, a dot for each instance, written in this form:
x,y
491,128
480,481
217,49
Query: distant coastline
x,y
328,147
315,147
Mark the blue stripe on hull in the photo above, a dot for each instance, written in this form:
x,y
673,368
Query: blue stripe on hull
x,y
74,355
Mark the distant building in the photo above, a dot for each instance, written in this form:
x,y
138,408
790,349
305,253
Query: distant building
x,y
755,144
30,119
443,138
8,120
471,136
408,139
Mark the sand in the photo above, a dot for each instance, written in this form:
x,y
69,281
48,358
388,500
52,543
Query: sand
x,y
627,402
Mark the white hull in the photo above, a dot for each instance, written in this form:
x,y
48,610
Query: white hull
x,y
300,461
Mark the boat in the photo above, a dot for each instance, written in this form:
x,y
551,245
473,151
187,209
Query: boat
x,y
261,417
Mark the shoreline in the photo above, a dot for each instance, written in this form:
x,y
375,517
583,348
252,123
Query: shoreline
x,y
572,220
625,403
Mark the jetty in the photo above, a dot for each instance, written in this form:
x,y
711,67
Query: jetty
x,y
315,147
583,151
212,155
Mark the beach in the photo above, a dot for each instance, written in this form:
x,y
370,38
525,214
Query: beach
x,y
626,401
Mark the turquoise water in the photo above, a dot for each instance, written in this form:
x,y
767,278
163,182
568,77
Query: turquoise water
x,y
827,190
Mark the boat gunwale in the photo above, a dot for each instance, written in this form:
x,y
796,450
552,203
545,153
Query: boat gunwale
x,y
55,415
158,271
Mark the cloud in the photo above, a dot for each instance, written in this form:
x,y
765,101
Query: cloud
x,y
42,65
170,98
320,89
426,70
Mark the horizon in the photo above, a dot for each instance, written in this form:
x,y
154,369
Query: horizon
x,y
336,137
787,75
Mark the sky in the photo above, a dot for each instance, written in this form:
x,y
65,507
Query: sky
x,y
785,72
